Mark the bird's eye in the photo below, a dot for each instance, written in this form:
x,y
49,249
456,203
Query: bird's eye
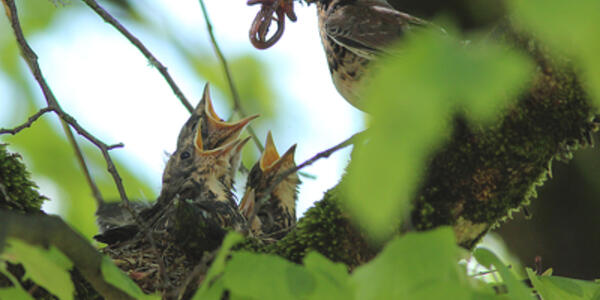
x,y
184,155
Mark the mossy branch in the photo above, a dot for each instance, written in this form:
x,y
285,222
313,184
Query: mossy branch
x,y
481,175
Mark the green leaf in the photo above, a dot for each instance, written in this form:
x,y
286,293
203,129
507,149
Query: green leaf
x,y
572,27
214,290
333,280
14,293
561,288
516,288
414,266
265,276
48,268
412,98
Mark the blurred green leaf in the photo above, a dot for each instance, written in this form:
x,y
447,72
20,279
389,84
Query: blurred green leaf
x,y
561,288
214,290
516,289
333,280
48,268
569,26
412,98
414,266
279,278
14,293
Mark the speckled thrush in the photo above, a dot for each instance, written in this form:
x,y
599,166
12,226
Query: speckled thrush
x,y
275,217
354,33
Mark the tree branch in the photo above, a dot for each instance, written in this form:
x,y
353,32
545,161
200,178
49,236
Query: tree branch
x,y
51,230
27,124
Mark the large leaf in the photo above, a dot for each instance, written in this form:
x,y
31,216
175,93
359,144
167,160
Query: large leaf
x,y
414,266
561,288
265,276
412,98
211,289
333,280
572,27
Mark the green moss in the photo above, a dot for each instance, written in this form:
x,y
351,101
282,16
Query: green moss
x,y
17,191
484,174
326,229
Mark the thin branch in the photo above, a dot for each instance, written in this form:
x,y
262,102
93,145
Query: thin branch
x,y
138,44
31,59
237,104
323,154
81,159
27,124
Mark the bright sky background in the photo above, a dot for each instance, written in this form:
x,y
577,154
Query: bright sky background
x,y
97,74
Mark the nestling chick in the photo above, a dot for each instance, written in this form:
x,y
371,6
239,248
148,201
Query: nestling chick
x,y
202,167
276,216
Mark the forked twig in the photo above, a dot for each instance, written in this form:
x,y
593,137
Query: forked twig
x,y
31,59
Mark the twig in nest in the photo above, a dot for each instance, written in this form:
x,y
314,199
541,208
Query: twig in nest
x,y
260,26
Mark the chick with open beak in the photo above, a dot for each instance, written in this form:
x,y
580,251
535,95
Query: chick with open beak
x,y
277,215
206,196
202,167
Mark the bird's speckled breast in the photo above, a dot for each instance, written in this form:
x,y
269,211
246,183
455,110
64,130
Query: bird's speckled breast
x,y
346,68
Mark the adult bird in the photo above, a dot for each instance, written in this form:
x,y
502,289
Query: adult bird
x,y
356,32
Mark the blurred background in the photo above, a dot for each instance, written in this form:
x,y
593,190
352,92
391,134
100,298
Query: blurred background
x,y
110,88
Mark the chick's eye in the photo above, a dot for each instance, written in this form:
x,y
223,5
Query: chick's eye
x,y
184,155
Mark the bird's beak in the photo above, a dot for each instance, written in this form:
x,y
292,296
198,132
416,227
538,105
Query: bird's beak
x,y
231,148
270,159
206,105
248,201
247,207
223,132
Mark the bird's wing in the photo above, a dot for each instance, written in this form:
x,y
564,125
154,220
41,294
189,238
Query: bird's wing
x,y
369,28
